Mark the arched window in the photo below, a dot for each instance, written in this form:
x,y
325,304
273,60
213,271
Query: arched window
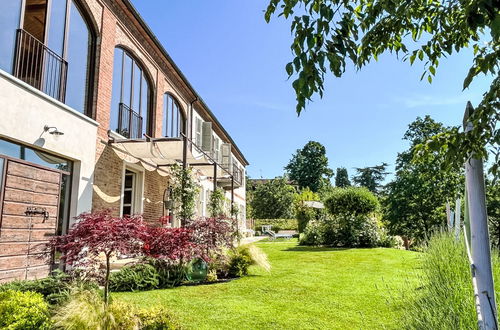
x,y
130,103
174,122
80,58
54,48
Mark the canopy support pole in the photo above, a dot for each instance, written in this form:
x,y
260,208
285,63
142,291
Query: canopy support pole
x,y
215,176
184,167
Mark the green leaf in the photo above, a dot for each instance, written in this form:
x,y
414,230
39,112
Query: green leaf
x,y
289,68
432,70
412,58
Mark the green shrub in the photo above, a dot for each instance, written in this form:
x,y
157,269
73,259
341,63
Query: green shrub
x,y
445,299
352,201
240,262
244,256
157,318
169,274
139,277
342,231
23,310
86,310
54,288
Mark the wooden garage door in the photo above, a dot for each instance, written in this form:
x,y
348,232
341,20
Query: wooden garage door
x,y
28,219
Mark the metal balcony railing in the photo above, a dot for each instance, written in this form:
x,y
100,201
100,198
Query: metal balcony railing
x,y
129,122
39,66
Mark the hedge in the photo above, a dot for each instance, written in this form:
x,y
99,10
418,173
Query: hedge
x,y
277,224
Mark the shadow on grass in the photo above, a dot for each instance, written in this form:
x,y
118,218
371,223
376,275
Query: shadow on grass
x,y
314,249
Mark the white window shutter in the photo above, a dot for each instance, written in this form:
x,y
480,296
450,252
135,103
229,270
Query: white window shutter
x,y
226,158
197,131
206,139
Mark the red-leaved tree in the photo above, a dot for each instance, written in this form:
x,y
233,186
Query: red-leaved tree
x,y
211,235
100,234
171,244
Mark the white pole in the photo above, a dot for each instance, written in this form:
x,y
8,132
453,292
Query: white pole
x,y
480,242
457,218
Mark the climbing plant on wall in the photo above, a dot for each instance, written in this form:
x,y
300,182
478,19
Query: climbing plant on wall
x,y
216,203
184,191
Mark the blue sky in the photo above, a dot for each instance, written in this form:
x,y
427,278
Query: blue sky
x,y
236,63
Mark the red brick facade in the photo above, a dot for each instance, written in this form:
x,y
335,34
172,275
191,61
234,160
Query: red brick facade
x,y
119,26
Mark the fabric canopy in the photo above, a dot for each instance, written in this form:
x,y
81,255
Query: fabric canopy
x,y
153,154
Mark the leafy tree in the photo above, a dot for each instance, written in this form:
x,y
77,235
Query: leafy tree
x,y
309,167
342,178
416,198
273,200
371,177
96,234
329,35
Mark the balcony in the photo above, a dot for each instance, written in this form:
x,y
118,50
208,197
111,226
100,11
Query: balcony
x,y
39,66
237,176
129,122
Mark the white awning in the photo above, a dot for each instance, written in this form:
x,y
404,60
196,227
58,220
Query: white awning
x,y
158,154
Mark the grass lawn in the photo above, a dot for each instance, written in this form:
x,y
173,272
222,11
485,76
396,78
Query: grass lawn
x,y
308,288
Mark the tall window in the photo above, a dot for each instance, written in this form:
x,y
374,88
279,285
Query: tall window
x,y
131,94
174,122
54,46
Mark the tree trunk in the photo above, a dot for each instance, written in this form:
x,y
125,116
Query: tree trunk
x,y
106,280
406,242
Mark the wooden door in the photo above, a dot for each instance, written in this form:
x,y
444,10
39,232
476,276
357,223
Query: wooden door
x,y
29,217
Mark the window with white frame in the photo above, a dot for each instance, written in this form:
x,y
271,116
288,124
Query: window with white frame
x,y
132,188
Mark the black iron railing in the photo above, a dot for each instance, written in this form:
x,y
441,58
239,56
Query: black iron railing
x,y
129,122
39,66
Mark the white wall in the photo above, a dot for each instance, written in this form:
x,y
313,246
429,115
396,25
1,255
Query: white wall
x,y
24,113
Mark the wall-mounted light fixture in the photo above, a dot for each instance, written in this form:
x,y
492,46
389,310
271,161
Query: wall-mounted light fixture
x,y
52,130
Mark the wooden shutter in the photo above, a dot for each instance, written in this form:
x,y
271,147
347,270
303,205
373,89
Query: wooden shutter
x,y
226,156
206,139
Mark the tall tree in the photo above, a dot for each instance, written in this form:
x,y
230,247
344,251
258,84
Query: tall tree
x,y
330,34
309,167
371,177
273,200
342,178
416,198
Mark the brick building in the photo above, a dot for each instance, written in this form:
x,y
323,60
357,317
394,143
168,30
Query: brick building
x,y
94,114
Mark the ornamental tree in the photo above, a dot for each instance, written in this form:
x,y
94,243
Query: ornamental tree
x,y
171,244
95,235
212,234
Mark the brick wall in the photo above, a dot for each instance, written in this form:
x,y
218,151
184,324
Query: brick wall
x,y
118,28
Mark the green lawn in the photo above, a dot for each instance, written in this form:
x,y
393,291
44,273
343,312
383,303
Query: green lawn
x,y
308,288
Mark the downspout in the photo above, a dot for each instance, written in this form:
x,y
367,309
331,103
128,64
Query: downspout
x,y
191,111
